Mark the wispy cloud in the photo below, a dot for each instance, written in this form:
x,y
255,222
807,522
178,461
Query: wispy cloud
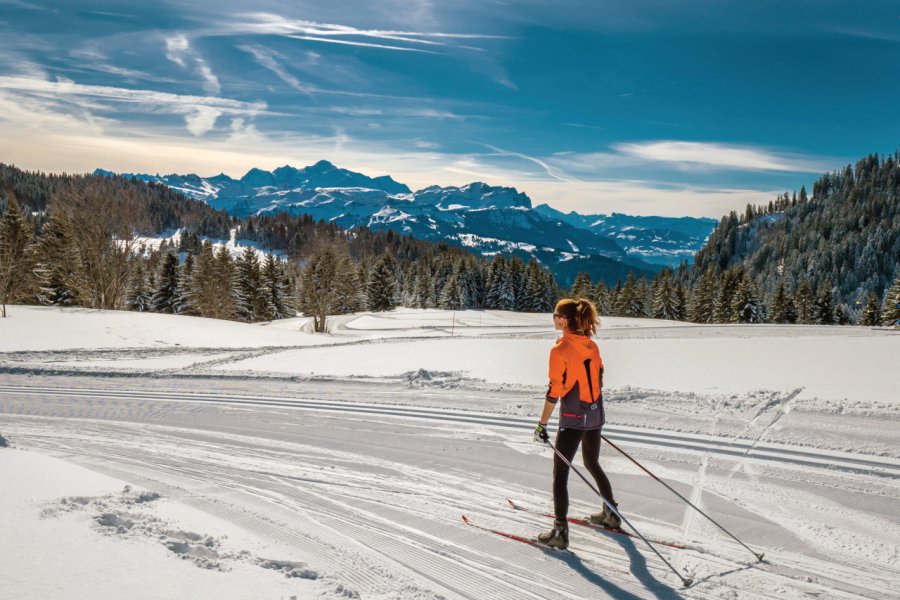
x,y
270,60
584,126
46,114
22,4
392,111
179,51
91,58
554,172
362,44
263,23
200,112
64,88
718,156
868,34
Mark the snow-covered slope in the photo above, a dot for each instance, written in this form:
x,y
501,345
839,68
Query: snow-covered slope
x,y
279,463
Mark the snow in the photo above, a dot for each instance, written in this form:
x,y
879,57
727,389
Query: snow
x,y
476,241
37,328
731,359
293,464
234,246
54,549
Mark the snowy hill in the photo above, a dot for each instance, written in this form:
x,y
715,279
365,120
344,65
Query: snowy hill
x,y
488,219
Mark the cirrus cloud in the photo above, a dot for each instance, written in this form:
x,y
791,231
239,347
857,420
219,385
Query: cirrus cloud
x,y
718,156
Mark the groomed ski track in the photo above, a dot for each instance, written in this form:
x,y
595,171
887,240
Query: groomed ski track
x,y
681,441
371,494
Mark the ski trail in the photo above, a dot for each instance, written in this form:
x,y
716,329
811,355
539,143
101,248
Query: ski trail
x,y
697,490
785,404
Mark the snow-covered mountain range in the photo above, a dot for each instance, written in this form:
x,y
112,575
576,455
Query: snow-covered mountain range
x,y
485,218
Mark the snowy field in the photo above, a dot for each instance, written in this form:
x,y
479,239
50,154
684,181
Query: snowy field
x,y
159,456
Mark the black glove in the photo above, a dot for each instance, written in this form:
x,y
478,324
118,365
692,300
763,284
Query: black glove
x,y
540,433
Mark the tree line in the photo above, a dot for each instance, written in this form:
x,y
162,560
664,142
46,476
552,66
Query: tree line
x,y
802,254
833,258
731,296
76,244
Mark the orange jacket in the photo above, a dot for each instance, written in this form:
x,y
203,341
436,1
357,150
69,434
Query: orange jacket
x,y
575,359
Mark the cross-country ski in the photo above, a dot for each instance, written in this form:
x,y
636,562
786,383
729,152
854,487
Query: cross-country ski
x,y
531,541
584,522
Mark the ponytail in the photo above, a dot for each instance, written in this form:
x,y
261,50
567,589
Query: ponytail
x,y
581,315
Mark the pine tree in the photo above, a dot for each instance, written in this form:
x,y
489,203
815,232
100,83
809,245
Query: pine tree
x,y
841,315
534,287
507,294
381,287
275,287
601,299
57,263
451,295
16,256
643,302
746,306
803,300
139,295
627,304
473,279
890,311
224,297
583,287
350,295
517,284
614,301
782,309
823,306
424,285
252,302
729,282
665,301
680,303
872,312
167,291
703,303
183,304
496,276
202,289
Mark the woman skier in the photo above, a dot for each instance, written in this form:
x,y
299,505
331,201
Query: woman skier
x,y
576,377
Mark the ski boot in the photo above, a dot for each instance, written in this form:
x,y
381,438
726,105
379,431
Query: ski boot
x,y
558,537
607,518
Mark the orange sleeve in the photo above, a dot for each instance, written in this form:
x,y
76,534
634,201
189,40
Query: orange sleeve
x,y
557,373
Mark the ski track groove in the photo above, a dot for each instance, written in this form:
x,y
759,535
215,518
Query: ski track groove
x,y
783,405
726,447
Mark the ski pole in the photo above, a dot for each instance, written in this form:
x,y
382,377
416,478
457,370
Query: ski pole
x,y
685,580
758,555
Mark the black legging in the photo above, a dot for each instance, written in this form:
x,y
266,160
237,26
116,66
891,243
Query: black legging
x,y
567,441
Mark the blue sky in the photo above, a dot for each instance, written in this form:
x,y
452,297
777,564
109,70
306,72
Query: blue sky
x,y
640,106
